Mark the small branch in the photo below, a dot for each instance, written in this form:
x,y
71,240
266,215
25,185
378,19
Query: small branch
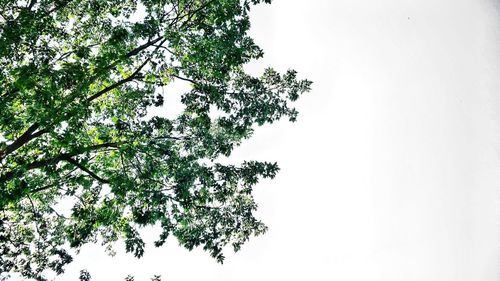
x,y
143,47
31,4
85,169
165,48
35,214
184,79
55,212
117,84
54,160
131,77
56,8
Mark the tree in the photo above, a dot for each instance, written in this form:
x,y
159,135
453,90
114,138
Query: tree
x,y
85,157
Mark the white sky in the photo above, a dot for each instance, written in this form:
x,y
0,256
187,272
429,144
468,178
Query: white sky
x,y
391,172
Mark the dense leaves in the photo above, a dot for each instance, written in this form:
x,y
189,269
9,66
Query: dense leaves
x,y
87,153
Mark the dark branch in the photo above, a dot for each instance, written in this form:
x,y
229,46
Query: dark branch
x,y
134,75
119,83
54,160
58,7
31,4
85,169
142,47
20,141
30,135
184,79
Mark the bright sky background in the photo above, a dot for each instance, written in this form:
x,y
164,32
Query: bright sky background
x,y
392,170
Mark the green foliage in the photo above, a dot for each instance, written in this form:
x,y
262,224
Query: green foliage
x,y
82,161
85,275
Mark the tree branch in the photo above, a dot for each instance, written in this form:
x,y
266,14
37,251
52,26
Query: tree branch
x,y
54,160
56,7
133,75
184,79
31,4
85,169
143,47
119,83
30,135
20,141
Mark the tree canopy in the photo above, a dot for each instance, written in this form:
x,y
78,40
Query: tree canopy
x,y
84,155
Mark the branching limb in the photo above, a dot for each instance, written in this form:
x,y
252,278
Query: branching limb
x,y
20,141
85,169
30,133
54,160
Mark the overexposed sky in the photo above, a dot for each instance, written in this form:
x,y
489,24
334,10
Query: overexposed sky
x,y
392,171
